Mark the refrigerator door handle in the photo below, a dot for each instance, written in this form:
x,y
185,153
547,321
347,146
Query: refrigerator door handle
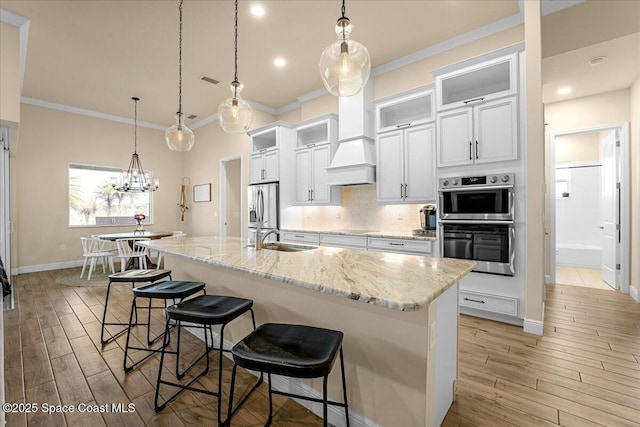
x,y
261,204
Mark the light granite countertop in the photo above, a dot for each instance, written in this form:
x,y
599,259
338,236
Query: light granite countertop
x,y
400,282
371,233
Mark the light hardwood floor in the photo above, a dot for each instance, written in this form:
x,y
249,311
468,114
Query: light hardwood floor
x,y
579,276
584,371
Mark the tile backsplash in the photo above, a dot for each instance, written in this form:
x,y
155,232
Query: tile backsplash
x,y
360,210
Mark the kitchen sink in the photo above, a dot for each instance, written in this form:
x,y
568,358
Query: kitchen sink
x,y
286,247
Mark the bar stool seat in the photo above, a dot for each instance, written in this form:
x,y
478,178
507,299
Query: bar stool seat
x,y
175,290
297,351
205,311
133,277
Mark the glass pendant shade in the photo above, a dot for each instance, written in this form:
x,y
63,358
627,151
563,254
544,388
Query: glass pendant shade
x,y
179,137
235,114
345,65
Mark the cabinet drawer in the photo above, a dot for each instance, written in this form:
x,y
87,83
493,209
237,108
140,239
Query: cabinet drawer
x,y
399,245
299,236
343,241
494,303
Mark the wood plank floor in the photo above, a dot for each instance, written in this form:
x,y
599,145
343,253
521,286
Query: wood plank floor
x,y
584,371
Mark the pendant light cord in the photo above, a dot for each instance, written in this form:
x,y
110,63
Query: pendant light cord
x,y
235,76
180,63
344,9
135,125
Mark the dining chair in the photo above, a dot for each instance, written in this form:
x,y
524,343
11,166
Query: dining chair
x,y
175,235
92,251
128,250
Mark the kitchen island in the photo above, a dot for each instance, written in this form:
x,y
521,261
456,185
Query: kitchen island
x,y
398,314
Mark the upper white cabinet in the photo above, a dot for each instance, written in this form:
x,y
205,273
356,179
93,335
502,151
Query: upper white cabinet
x,y
316,143
488,80
404,110
483,133
406,165
264,146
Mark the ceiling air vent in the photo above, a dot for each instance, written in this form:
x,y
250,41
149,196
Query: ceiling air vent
x,y
193,116
209,80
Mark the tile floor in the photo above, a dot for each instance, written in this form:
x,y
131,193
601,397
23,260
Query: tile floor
x,y
578,276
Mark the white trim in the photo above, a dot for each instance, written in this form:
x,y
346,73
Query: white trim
x,y
289,107
535,327
262,107
205,121
552,6
223,192
634,293
312,95
292,385
11,18
46,267
623,280
22,22
454,42
89,113
547,279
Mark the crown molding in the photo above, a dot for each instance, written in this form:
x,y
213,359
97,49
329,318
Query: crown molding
x,y
552,6
88,113
12,18
205,121
22,23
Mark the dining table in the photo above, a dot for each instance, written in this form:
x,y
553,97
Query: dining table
x,y
152,235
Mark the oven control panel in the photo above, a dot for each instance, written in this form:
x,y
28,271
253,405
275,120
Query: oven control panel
x,y
483,180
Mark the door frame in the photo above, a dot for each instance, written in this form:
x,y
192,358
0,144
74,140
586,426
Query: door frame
x,y
622,277
223,193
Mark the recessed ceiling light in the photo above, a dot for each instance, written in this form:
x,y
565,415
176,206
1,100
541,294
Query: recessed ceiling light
x,y
594,62
279,62
564,90
257,10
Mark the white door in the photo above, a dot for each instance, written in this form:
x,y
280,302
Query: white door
x,y
271,166
609,210
496,131
303,175
320,159
420,164
390,164
455,133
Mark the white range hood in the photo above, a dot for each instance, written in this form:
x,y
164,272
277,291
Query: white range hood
x,y
355,159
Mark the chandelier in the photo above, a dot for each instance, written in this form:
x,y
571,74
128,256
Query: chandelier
x,y
179,137
235,114
135,179
345,65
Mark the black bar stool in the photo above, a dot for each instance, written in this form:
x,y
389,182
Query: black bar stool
x,y
133,277
204,311
294,351
168,290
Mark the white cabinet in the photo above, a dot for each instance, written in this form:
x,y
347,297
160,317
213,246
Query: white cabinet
x,y
487,302
264,145
488,80
406,109
409,246
343,241
406,165
316,143
300,237
482,133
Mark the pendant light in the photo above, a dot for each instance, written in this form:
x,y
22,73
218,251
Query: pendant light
x,y
235,114
179,137
135,179
345,65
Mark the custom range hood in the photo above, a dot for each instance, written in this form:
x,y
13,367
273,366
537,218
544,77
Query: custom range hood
x,y
355,159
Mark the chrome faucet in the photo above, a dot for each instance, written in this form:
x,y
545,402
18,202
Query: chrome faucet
x,y
260,238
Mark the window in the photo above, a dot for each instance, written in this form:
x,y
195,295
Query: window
x,y
94,202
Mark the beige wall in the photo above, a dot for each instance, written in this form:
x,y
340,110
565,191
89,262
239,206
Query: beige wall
x,y
635,181
318,106
234,193
202,164
590,111
47,142
583,147
9,75
292,116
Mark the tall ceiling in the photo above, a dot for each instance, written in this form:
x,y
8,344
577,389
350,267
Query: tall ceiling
x,y
97,54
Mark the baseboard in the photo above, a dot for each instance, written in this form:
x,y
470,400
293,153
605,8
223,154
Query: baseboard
x,y
634,293
293,385
534,326
46,267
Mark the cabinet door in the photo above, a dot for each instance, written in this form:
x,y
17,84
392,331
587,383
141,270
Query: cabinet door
x,y
496,130
271,166
420,164
454,137
390,164
303,176
256,168
320,159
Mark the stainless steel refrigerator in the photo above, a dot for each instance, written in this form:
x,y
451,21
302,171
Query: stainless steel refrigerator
x,y
264,208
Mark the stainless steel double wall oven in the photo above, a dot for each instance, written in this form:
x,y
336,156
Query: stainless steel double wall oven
x,y
477,221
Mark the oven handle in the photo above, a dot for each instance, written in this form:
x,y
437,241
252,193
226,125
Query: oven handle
x,y
475,221
483,187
